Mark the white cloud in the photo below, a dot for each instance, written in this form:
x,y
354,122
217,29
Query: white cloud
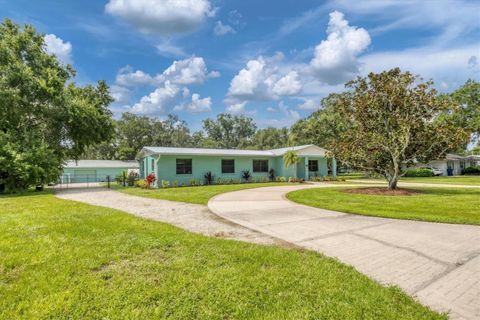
x,y
161,16
288,85
442,65
55,45
237,108
157,101
188,71
197,105
126,76
221,29
263,80
335,59
171,87
120,94
167,49
289,117
309,104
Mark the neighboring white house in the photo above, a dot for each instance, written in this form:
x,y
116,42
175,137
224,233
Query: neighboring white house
x,y
455,162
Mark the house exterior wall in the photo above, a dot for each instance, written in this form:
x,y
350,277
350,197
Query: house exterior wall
x,y
165,167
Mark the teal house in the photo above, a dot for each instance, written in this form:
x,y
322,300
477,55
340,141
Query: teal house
x,y
82,171
183,165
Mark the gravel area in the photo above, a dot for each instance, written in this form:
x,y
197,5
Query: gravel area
x,y
191,217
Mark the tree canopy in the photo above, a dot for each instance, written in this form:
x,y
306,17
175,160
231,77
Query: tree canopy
x,y
44,116
395,120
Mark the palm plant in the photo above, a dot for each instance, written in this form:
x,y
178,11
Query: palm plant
x,y
290,158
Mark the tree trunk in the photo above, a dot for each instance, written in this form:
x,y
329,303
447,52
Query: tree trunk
x,y
392,183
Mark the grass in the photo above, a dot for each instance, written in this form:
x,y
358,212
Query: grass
x,y
199,195
460,180
449,205
67,260
463,180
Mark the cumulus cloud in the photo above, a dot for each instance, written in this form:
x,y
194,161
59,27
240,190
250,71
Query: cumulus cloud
x,y
126,76
171,87
197,105
157,101
55,45
162,17
120,94
237,108
167,49
335,59
221,29
288,85
309,105
262,80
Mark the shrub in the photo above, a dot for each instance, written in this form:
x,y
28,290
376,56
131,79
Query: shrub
x,y
142,184
271,174
246,175
291,179
131,178
471,170
165,183
209,177
419,172
151,178
175,183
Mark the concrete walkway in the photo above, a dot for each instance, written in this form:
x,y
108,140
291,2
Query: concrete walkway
x,y
437,263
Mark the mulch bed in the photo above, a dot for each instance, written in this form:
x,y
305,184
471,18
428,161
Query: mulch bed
x,y
379,191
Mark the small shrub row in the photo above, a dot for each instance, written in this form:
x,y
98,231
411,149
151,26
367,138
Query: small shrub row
x,y
472,170
419,172
326,178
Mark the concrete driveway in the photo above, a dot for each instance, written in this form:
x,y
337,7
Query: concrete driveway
x,y
437,263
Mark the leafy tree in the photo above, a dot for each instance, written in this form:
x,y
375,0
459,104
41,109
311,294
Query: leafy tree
x,y
396,120
270,138
229,131
290,158
468,98
322,127
44,116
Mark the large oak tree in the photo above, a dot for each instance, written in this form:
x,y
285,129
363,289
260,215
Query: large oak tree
x,y
44,117
395,119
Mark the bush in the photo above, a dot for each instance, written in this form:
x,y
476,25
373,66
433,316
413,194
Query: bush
x,y
291,179
165,183
142,184
209,177
471,170
246,175
419,172
175,183
131,178
151,178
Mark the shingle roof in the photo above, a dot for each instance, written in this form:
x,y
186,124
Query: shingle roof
x,y
101,164
220,152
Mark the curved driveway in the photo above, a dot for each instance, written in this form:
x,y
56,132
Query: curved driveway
x,y
437,263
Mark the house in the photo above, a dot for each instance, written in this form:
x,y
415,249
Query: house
x,y
186,164
95,170
454,162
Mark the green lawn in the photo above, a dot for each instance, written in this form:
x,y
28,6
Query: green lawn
x,y
67,260
199,195
450,205
461,180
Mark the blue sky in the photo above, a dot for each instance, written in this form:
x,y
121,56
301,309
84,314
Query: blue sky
x,y
271,60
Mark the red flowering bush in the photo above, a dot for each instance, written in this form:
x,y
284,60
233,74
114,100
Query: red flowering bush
x,y
151,178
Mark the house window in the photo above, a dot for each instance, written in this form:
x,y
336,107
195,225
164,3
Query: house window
x,y
184,166
260,165
462,164
228,166
313,165
153,165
